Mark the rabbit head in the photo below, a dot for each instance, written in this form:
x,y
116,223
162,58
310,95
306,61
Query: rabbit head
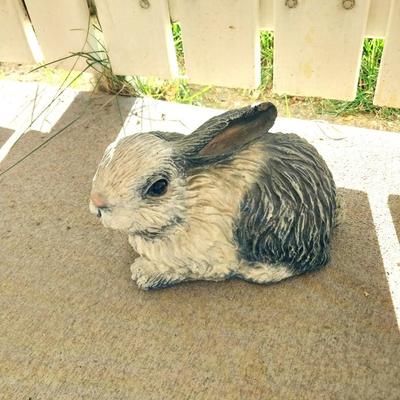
x,y
140,186
137,186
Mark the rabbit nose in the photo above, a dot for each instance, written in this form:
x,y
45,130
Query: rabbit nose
x,y
98,204
98,200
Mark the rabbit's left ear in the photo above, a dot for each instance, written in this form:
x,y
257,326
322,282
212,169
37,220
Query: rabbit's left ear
x,y
227,133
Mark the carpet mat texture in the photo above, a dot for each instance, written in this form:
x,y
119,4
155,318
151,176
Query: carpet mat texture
x,y
74,326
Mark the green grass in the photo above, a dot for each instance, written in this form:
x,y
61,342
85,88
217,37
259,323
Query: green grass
x,y
267,58
177,35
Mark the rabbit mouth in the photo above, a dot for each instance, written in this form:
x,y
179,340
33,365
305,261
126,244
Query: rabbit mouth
x,y
158,232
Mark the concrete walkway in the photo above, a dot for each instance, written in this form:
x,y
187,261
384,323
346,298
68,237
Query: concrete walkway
x,y
74,326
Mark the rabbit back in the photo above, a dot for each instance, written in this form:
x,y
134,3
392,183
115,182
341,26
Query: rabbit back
x,y
288,214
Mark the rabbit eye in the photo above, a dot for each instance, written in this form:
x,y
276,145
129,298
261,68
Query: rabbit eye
x,y
158,188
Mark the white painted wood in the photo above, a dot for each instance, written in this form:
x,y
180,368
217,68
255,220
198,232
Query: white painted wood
x,y
376,24
174,10
61,27
14,45
221,42
378,18
388,86
138,38
318,47
267,15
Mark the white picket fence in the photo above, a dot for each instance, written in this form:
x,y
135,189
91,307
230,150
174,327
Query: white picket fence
x,y
317,48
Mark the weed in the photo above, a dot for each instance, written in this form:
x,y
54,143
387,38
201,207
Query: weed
x,y
177,35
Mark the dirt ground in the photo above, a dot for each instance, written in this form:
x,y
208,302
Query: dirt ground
x,y
74,326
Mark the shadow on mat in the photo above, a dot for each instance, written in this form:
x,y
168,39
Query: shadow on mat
x,y
5,133
394,207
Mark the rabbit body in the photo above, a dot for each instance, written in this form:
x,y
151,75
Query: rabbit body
x,y
233,200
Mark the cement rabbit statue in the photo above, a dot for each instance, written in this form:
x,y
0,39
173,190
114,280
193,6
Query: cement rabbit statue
x,y
229,200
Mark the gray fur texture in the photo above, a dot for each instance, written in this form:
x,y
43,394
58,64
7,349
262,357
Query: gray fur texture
x,y
236,201
288,214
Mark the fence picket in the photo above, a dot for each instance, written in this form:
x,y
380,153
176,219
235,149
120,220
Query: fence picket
x,y
377,18
61,28
267,15
221,41
14,46
388,85
376,25
318,46
138,37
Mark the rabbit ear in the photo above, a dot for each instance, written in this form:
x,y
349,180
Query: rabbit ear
x,y
224,134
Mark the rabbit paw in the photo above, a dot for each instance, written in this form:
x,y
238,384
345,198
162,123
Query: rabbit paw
x,y
157,281
140,268
135,271
147,276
